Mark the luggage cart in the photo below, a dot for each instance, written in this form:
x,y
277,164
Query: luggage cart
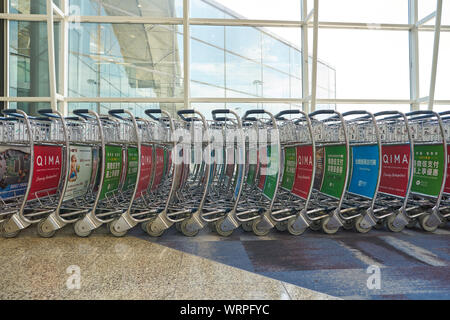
x,y
48,156
228,170
109,201
358,209
298,158
149,172
445,202
78,174
331,171
200,178
430,168
264,170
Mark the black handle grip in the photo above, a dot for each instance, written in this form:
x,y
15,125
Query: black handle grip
x,y
317,112
45,112
253,111
421,112
444,113
355,112
115,112
286,112
181,114
151,112
9,111
80,112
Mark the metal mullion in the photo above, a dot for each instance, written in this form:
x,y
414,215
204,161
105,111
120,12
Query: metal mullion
x,y
127,19
437,33
245,22
305,57
314,56
64,56
6,54
187,53
51,55
414,83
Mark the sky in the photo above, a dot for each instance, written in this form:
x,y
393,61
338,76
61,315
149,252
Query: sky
x,y
370,64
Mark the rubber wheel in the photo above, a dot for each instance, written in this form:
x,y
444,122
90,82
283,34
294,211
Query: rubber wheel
x,y
423,223
9,235
349,224
281,226
390,224
113,231
247,226
257,231
185,231
292,230
144,226
151,232
220,231
315,225
80,231
42,233
360,228
325,227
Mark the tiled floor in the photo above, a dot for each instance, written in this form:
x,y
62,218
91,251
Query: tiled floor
x,y
413,264
125,268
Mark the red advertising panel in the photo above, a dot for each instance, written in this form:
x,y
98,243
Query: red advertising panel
x,y
159,173
46,171
262,160
146,170
447,180
303,172
394,170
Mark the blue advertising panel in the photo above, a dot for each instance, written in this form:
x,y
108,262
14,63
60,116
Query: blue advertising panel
x,y
365,167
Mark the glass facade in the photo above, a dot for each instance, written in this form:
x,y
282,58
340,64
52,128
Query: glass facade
x,y
134,50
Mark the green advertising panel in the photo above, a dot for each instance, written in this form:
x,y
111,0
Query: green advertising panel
x,y
270,184
113,164
253,166
335,168
428,169
290,164
132,168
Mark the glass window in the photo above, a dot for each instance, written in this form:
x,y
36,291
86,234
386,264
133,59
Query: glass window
x,y
28,60
275,53
369,64
238,9
443,74
275,84
112,60
370,11
243,75
136,8
28,6
372,107
214,35
207,64
244,41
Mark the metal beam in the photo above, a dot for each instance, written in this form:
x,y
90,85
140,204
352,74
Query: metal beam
x,y
314,56
305,56
414,85
187,53
437,33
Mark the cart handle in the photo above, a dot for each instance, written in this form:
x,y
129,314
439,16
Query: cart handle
x,y
151,112
49,113
315,113
218,111
115,113
254,111
12,112
181,114
83,113
356,112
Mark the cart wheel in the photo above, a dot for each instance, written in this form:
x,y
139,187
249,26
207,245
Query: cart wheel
x,y
292,230
380,225
219,229
247,226
315,225
144,226
257,231
359,227
185,230
281,226
390,224
327,229
43,233
151,232
423,223
113,230
5,234
80,230
178,226
349,224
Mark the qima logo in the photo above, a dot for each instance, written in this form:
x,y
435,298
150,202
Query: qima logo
x,y
395,159
47,161
305,160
